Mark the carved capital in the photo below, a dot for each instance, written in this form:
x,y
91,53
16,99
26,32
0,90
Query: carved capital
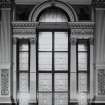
x,y
14,40
6,3
32,40
92,41
99,3
73,41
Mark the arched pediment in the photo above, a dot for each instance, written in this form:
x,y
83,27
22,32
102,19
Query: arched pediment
x,y
47,4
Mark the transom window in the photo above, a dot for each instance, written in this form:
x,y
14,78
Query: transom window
x,y
53,14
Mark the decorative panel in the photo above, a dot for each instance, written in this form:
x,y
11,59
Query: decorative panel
x,y
23,80
61,61
4,81
61,82
82,82
101,82
45,41
45,61
45,99
61,41
45,82
61,99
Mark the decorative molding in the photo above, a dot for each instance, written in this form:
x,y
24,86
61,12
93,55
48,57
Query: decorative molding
x,y
101,81
24,31
46,4
4,81
82,31
24,24
82,25
6,3
99,3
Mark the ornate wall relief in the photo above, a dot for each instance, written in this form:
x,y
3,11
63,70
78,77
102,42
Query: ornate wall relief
x,y
101,82
4,82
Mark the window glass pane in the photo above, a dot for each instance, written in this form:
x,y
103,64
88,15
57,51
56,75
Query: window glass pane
x,y
61,61
44,99
82,61
45,82
82,82
61,82
23,80
23,46
82,47
53,15
45,41
61,41
61,98
23,60
45,61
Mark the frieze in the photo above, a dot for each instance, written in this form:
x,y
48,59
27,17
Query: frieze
x,y
98,3
23,31
24,24
82,25
80,28
82,31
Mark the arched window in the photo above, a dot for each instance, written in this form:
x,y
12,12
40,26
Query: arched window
x,y
53,59
53,14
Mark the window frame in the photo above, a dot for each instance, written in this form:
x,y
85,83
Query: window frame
x,y
87,43
53,72
21,41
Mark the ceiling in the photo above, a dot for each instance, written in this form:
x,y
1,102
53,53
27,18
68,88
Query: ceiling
x,y
75,2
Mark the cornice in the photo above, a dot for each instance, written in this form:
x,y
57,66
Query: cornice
x,y
24,24
70,24
77,28
82,25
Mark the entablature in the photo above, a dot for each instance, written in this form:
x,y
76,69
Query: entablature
x,y
76,28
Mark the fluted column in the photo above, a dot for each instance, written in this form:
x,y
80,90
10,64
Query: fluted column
x,y
100,54
5,52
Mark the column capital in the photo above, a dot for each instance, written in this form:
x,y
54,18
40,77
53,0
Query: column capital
x,y
73,41
33,40
6,3
15,40
92,41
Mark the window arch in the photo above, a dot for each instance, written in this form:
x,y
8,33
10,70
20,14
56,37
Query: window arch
x,y
48,4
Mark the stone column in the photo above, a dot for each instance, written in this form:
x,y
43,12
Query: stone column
x,y
100,54
5,52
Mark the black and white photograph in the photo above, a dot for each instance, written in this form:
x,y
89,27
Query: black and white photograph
x,y
52,52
